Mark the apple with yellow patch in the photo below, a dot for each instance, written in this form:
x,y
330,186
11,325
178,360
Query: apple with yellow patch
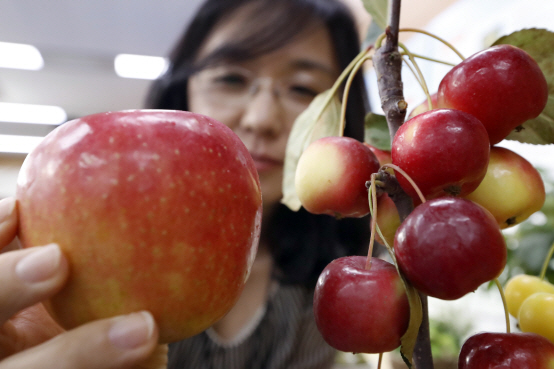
x,y
512,189
155,210
331,177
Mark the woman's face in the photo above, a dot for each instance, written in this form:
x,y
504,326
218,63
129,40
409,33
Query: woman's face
x,y
259,99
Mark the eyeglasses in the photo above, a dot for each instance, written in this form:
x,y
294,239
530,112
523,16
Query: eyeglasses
x,y
234,87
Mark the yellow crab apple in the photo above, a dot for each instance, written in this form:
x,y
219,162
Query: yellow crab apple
x,y
512,189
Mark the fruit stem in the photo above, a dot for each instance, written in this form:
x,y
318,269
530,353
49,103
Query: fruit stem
x,y
546,262
372,198
345,73
504,303
419,56
435,37
419,76
396,168
351,76
380,360
372,194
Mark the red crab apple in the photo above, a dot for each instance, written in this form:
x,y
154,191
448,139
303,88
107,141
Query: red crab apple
x,y
387,219
512,189
156,210
502,86
358,309
449,246
331,176
383,156
424,106
444,151
506,350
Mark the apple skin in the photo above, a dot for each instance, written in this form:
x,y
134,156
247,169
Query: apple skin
x,y
424,106
536,315
331,177
502,86
387,219
156,210
383,156
521,286
506,350
360,310
512,189
445,152
447,247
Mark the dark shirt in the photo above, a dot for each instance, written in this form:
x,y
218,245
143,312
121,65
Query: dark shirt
x,y
283,335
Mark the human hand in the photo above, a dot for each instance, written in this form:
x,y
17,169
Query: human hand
x,y
29,337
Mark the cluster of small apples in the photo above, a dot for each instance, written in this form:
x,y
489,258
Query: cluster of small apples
x,y
530,300
467,191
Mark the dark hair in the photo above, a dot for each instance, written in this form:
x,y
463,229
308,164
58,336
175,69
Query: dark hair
x,y
302,244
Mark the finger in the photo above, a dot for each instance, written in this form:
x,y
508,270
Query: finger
x,y
8,221
120,342
30,276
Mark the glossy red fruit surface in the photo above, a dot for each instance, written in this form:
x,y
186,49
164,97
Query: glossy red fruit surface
x,y
155,210
449,246
331,177
424,105
512,189
445,152
502,86
506,351
360,310
382,155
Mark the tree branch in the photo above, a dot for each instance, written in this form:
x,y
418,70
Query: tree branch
x,y
388,66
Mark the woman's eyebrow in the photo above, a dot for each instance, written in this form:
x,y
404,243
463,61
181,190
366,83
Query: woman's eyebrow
x,y
305,64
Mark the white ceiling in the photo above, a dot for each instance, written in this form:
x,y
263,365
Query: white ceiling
x,y
78,40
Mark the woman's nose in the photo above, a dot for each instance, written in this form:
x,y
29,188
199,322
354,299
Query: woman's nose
x,y
263,113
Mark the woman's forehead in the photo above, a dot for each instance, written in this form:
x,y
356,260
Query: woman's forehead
x,y
311,48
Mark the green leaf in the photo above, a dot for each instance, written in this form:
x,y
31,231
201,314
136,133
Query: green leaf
x,y
373,32
539,130
320,119
378,9
539,43
377,132
409,339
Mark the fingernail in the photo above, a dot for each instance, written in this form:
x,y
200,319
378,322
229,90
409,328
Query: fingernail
x,y
40,264
132,331
7,207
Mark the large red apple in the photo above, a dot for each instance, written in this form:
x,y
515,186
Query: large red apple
x,y
447,247
156,210
444,151
359,309
502,86
512,189
506,350
331,177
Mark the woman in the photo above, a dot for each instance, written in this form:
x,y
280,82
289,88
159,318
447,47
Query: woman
x,y
255,65
268,58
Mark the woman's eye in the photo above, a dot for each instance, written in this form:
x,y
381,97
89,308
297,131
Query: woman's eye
x,y
303,91
232,80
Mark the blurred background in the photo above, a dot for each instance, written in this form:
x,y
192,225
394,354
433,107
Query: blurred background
x,y
63,59
60,58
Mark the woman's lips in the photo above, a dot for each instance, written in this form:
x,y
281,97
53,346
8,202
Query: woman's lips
x,y
265,163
